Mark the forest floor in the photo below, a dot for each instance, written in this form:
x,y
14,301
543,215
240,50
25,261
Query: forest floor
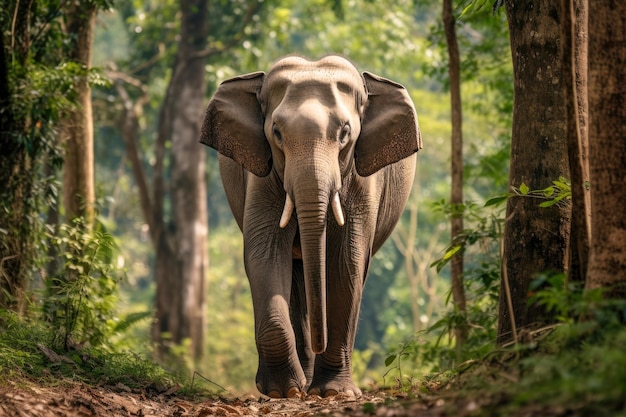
x,y
76,399
71,399
574,370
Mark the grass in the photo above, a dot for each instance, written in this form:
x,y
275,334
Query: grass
x,y
25,354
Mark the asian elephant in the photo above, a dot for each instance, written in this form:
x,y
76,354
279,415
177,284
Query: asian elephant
x,y
303,141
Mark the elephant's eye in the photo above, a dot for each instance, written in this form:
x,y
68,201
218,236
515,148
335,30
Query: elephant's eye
x,y
277,133
344,134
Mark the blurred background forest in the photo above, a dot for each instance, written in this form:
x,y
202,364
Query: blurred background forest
x,y
135,52
400,40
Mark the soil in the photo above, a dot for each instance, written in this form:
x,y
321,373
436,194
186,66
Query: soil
x,y
71,399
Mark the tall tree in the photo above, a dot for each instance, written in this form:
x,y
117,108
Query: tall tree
x,y
607,143
182,316
78,172
456,197
174,205
535,238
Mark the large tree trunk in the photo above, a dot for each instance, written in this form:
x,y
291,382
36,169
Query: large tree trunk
x,y
536,239
181,247
78,175
607,143
456,197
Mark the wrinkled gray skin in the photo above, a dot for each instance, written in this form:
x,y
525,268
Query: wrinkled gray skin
x,y
317,162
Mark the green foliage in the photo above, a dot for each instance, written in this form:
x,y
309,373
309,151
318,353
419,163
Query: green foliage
x,y
571,303
558,193
480,242
25,353
485,229
82,297
575,365
580,361
399,358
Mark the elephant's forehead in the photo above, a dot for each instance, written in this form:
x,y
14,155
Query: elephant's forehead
x,y
329,71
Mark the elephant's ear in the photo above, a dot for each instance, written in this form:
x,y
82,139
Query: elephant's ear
x,y
233,124
389,130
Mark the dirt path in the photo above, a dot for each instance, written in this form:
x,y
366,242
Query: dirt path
x,y
79,400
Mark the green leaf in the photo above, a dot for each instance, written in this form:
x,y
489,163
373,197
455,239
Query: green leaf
x,y
131,319
523,189
451,252
496,200
562,185
389,360
547,203
548,191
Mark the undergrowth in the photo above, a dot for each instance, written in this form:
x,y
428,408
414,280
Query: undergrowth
x,y
576,367
26,354
68,333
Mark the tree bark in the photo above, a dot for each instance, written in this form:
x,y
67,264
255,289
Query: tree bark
x,y
78,169
574,53
17,175
607,145
456,197
535,239
181,247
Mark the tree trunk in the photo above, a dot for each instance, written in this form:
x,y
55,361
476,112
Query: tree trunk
x,y
78,175
535,239
181,247
607,145
574,52
456,197
16,248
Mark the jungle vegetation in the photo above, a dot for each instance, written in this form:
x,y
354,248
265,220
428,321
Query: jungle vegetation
x,y
520,271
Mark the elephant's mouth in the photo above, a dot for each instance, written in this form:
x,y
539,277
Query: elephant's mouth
x,y
296,249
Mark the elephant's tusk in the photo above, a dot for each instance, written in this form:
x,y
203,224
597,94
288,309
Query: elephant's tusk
x,y
287,212
337,211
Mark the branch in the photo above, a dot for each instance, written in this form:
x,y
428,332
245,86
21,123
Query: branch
x,y
151,61
120,76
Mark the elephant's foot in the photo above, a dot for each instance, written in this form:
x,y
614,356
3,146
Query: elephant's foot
x,y
329,382
282,381
335,387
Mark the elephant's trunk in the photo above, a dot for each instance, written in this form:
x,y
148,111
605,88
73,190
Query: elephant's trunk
x,y
312,224
312,193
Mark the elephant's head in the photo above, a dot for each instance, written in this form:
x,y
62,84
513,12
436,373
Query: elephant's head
x,y
313,123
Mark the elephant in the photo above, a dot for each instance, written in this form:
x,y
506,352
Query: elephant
x,y
305,140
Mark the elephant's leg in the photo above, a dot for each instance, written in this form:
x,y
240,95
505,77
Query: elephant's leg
x,y
345,280
279,373
300,321
268,261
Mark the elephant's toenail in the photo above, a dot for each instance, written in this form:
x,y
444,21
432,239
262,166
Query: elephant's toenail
x,y
293,392
274,394
315,391
330,393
